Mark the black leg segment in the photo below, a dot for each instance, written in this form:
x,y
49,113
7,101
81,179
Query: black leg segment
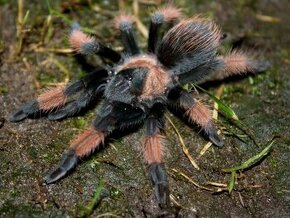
x,y
68,162
125,25
30,109
156,22
158,178
166,15
196,112
213,136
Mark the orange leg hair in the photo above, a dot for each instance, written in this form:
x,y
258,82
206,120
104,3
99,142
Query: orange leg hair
x,y
236,63
199,114
153,155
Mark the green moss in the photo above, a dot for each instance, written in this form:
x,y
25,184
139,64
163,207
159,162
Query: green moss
x,y
13,192
4,2
47,78
2,46
114,192
79,123
9,209
4,89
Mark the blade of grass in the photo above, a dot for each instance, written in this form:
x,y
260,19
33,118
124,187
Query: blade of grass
x,y
25,19
48,6
253,159
225,109
140,26
232,181
66,19
248,163
229,113
240,137
245,129
96,198
108,214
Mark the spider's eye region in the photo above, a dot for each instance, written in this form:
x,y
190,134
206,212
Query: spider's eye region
x,y
128,77
131,79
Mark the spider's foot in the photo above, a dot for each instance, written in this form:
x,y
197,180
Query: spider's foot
x,y
68,162
158,177
57,115
214,137
68,111
25,111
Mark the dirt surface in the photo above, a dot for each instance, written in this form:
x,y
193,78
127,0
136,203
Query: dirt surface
x,y
29,149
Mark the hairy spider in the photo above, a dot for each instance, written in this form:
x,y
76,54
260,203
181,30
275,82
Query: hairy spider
x,y
138,87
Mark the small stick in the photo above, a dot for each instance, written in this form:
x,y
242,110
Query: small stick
x,y
217,184
19,26
195,183
183,146
62,68
121,4
140,26
54,50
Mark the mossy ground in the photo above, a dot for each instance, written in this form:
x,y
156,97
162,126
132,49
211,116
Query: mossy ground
x,y
30,148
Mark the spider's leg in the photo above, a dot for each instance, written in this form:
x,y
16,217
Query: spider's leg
x,y
91,91
56,98
74,107
199,114
165,15
86,45
153,155
236,63
125,24
81,146
49,100
109,118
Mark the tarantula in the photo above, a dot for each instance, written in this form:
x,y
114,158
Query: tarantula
x,y
138,87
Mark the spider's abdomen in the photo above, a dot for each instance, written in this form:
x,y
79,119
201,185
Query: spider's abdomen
x,y
192,38
188,49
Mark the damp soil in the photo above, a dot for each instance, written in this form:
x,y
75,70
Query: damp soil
x,y
29,149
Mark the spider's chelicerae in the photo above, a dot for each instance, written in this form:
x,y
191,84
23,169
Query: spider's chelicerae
x,y
138,87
